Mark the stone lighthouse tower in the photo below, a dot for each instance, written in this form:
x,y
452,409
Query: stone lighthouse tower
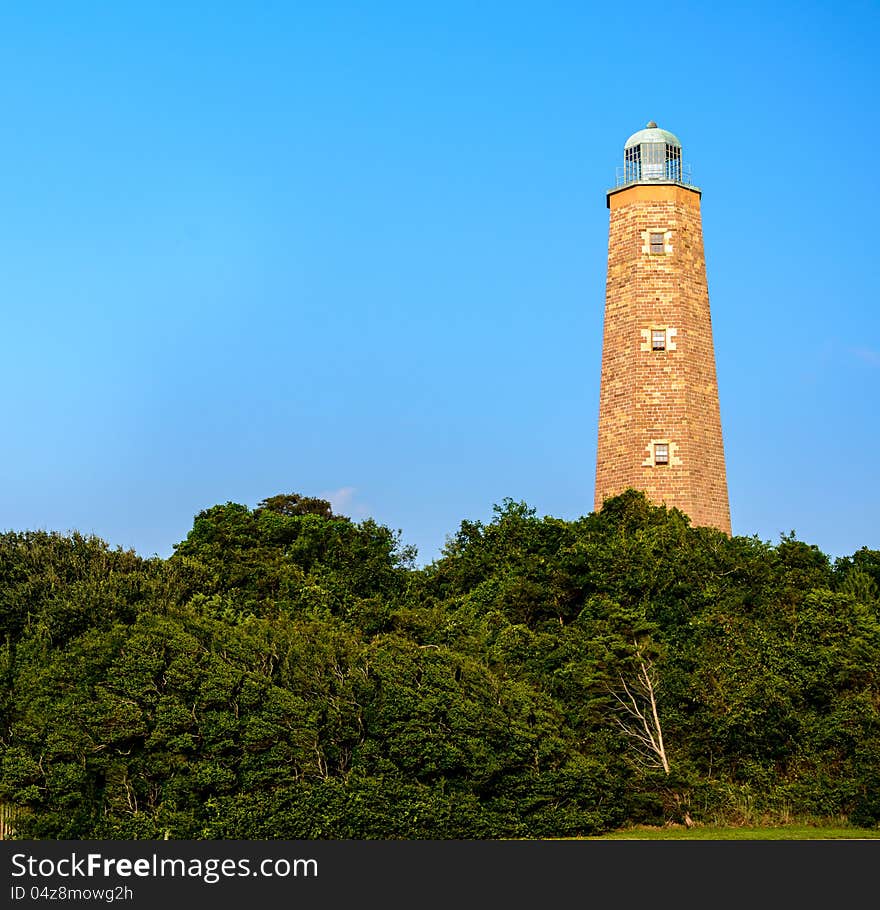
x,y
659,418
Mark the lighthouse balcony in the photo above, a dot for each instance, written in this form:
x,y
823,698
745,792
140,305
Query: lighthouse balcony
x,y
669,171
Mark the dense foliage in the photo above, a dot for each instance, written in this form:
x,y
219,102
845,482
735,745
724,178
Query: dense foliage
x,y
290,673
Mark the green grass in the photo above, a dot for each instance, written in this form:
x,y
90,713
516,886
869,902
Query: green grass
x,y
701,832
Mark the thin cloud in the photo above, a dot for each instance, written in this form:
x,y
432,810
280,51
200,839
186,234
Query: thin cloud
x,y
342,502
868,356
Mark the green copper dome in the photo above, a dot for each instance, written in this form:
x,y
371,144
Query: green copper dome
x,y
652,133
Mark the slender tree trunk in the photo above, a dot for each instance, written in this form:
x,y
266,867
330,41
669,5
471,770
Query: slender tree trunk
x,y
640,721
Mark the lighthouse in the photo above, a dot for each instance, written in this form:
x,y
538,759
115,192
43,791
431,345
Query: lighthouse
x,y
659,414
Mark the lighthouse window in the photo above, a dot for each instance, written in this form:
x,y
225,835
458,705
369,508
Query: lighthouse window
x,y
657,245
673,162
658,340
633,157
661,453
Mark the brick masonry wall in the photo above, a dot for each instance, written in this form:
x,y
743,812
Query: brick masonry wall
x,y
666,396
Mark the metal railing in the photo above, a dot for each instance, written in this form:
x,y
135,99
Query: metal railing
x,y
671,172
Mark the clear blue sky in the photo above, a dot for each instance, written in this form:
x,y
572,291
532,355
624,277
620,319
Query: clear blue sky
x,y
358,250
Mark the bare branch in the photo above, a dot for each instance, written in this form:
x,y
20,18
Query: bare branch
x,y
640,704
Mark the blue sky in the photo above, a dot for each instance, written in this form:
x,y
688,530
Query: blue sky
x,y
358,250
